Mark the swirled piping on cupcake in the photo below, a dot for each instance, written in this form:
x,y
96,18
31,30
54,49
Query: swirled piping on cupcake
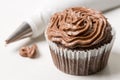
x,y
78,27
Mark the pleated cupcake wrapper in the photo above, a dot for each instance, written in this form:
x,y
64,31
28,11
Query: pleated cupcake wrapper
x,y
80,62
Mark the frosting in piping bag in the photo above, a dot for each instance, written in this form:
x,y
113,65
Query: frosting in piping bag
x,y
78,27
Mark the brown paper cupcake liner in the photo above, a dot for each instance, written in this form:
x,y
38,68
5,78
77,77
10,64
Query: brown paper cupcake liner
x,y
80,62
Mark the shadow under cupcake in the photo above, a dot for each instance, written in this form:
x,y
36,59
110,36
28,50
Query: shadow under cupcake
x,y
80,40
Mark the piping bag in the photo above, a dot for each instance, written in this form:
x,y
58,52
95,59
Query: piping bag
x,y
34,26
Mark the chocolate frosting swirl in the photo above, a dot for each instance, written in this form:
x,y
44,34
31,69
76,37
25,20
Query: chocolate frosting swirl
x,y
78,27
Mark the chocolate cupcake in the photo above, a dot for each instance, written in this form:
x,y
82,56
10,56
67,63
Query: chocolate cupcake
x,y
80,40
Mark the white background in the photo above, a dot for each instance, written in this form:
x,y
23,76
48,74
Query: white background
x,y
15,67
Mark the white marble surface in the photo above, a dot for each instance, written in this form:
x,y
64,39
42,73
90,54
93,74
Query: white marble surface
x,y
15,67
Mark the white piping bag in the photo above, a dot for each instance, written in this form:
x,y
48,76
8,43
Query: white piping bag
x,y
34,26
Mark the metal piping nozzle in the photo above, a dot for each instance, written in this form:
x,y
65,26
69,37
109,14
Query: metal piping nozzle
x,y
23,31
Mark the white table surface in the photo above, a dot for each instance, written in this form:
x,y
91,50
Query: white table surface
x,y
15,67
